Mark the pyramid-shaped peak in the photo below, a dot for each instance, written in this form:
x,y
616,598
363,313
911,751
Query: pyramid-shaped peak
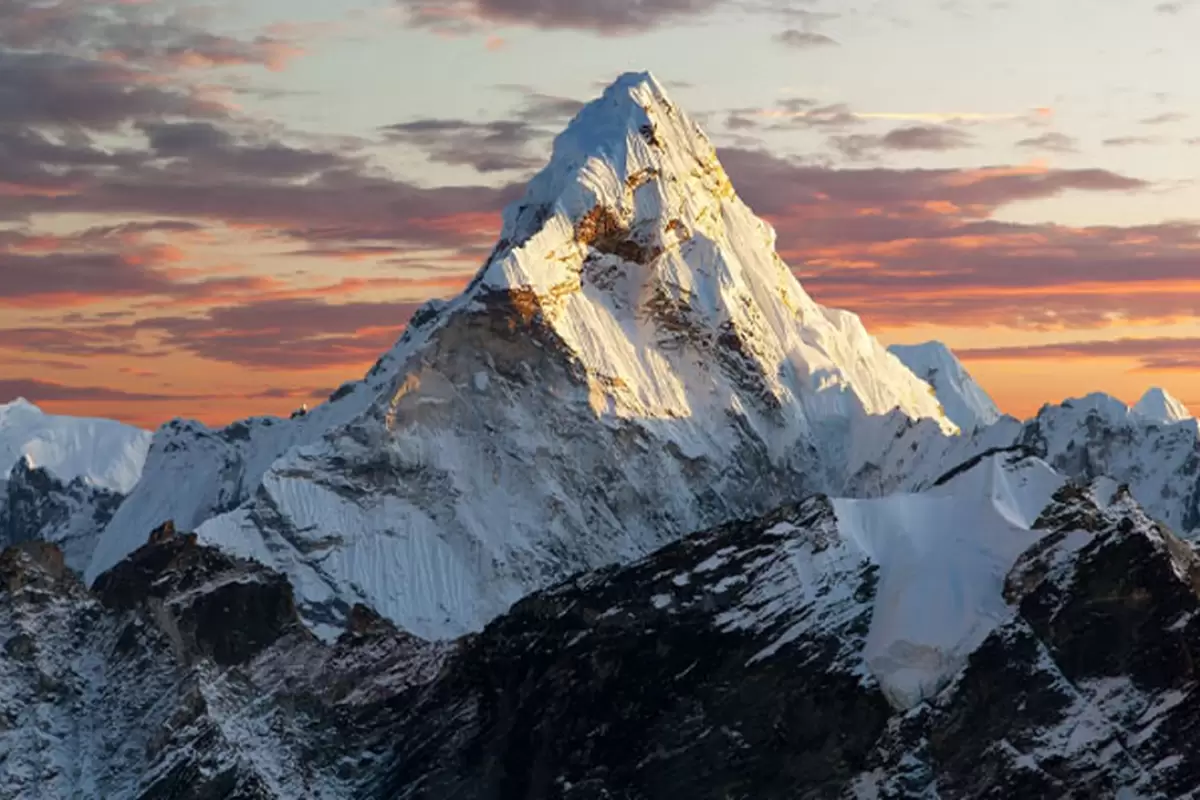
x,y
630,161
1159,405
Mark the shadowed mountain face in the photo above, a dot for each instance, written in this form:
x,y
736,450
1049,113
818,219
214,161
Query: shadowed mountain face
x,y
36,505
733,663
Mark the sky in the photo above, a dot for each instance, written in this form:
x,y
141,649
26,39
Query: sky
x,y
217,210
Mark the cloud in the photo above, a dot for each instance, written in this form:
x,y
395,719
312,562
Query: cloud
x,y
917,138
610,17
1166,118
209,148
1130,141
915,246
143,34
496,146
63,91
926,138
539,108
834,116
1152,354
773,184
287,335
204,50
804,40
1051,142
40,391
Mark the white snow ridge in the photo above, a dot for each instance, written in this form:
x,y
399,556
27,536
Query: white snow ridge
x,y
1159,405
964,400
105,453
943,557
634,362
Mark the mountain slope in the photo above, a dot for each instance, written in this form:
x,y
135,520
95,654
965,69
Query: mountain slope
x,y
742,661
731,664
1158,405
63,478
632,362
964,400
185,675
1098,435
1087,438
36,505
105,453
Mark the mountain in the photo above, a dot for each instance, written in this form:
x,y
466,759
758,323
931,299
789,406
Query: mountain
x,y
737,664
102,452
1098,435
965,401
633,362
1084,439
1006,634
1158,405
36,505
64,477
185,674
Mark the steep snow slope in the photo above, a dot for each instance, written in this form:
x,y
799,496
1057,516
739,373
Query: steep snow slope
x,y
1159,405
943,557
105,453
194,472
62,478
964,400
633,362
731,664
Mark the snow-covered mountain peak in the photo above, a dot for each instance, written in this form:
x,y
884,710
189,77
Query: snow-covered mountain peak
x,y
632,247
1159,405
633,362
103,452
964,400
631,173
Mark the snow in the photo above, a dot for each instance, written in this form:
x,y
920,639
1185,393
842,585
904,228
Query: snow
x,y
471,468
1159,405
103,452
964,400
193,472
1098,435
943,557
821,362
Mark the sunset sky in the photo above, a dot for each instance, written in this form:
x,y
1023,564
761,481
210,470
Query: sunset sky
x,y
213,210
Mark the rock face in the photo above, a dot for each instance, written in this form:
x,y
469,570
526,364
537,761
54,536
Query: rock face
x,y
63,478
37,505
738,662
643,681
632,363
186,674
